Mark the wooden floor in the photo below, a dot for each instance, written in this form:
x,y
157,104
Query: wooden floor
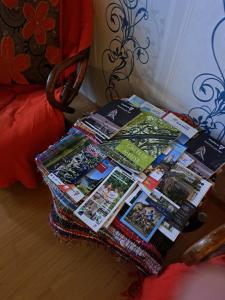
x,y
34,264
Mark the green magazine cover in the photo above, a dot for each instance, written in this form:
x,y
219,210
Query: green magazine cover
x,y
141,141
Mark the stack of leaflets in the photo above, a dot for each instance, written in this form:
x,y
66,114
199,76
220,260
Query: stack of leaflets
x,y
132,163
109,120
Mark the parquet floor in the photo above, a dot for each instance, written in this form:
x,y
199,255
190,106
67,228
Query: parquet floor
x,y
34,264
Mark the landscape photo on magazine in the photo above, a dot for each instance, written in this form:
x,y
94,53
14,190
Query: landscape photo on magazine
x,y
174,214
91,180
105,199
142,218
179,184
160,166
141,141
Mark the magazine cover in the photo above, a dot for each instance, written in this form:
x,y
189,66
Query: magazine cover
x,y
75,162
162,165
207,152
176,215
92,179
141,141
142,218
73,138
180,184
105,199
108,120
182,126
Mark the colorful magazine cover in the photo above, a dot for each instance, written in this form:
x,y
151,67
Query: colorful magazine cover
x,y
165,228
73,138
92,179
162,165
142,218
109,119
174,214
180,184
106,198
141,141
75,162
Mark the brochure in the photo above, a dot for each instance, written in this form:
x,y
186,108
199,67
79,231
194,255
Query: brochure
x,y
209,154
108,120
141,141
142,218
106,198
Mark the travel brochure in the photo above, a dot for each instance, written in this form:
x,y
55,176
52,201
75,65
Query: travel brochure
x,y
108,120
135,163
141,141
101,204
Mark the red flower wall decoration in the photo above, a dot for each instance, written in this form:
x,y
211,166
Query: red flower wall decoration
x,y
37,22
10,3
53,55
11,66
54,2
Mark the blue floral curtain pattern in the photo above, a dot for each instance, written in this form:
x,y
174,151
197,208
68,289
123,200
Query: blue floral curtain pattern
x,y
124,49
209,90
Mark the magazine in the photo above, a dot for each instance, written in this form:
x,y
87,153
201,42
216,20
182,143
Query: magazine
x,y
106,198
91,180
93,136
142,218
176,215
72,139
108,120
136,101
141,141
71,164
182,126
169,231
209,154
163,164
186,160
146,106
180,184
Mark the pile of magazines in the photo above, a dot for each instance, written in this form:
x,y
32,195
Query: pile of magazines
x,y
129,176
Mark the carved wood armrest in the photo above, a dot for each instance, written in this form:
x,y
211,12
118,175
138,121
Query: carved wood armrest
x,y
204,247
72,84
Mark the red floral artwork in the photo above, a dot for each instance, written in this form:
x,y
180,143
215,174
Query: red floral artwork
x,y
37,22
53,55
11,66
54,2
10,3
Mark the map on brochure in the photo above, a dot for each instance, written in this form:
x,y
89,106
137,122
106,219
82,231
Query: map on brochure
x,y
106,198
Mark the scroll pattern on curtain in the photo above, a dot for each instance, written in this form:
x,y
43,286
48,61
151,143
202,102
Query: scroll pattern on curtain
x,y
209,90
124,49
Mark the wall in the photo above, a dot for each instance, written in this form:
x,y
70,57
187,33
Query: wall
x,y
170,52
